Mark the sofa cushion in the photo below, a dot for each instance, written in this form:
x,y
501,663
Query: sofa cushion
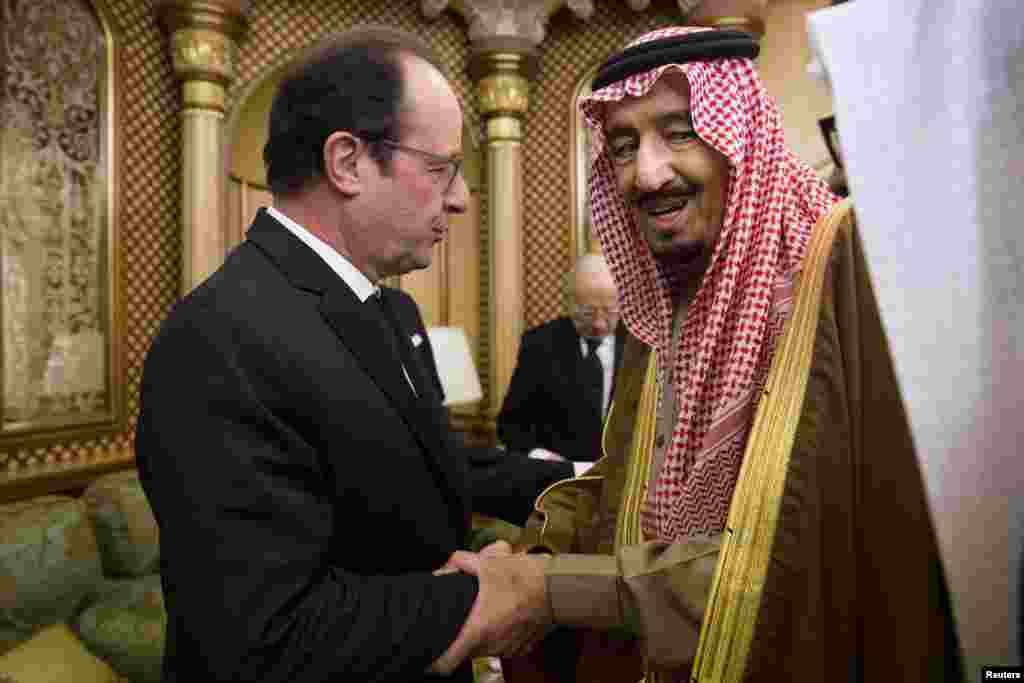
x,y
125,527
127,626
54,655
49,565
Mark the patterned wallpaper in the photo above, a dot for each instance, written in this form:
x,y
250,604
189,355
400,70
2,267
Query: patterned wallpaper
x,y
150,240
278,28
570,49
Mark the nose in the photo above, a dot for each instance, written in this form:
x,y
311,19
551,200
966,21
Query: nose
x,y
653,166
456,199
602,326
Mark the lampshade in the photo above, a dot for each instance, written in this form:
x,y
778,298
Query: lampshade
x,y
455,365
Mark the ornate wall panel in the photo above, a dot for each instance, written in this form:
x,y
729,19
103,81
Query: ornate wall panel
x,y
56,214
149,244
570,49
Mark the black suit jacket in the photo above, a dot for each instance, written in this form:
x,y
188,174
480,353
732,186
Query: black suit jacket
x,y
504,484
304,495
544,406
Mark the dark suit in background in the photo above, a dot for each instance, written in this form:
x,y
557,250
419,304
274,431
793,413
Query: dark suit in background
x,y
504,484
304,494
544,406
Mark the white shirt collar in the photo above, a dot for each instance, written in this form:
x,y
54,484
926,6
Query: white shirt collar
x,y
604,343
352,276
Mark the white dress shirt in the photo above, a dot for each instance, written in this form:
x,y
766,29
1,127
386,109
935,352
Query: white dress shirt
x,y
606,354
352,276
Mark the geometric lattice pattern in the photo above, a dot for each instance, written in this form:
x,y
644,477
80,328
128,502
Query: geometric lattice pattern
x,y
569,50
278,30
150,243
150,195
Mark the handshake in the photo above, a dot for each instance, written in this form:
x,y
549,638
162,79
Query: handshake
x,y
512,611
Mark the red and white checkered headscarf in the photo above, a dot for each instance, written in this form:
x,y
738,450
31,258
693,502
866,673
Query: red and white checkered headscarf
x,y
746,293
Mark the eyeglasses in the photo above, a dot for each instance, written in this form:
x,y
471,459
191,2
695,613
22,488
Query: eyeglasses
x,y
591,312
445,168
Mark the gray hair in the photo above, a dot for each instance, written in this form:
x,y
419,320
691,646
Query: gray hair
x,y
588,263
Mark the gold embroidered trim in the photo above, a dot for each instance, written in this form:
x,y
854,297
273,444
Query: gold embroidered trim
x,y
638,466
735,598
551,487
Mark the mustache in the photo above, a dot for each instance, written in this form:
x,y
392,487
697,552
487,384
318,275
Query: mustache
x,y
677,190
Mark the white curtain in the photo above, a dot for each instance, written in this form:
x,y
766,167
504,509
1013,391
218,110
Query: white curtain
x,y
928,98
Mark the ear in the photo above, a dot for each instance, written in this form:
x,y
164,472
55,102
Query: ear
x,y
341,154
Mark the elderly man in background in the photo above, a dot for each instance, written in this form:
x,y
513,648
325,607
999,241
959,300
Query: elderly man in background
x,y
760,493
503,484
564,378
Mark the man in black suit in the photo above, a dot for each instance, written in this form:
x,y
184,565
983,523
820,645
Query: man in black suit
x,y
503,484
565,373
307,486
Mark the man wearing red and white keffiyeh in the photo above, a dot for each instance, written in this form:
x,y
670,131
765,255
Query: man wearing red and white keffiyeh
x,y
705,217
707,221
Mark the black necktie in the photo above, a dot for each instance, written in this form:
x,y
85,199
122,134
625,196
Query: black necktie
x,y
400,339
593,376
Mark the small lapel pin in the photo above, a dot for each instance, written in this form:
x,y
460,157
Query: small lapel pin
x,y
416,340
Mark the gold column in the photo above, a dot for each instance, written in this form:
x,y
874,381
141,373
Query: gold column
x,y
203,34
503,74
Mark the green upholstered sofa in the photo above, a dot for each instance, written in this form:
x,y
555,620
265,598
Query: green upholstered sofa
x,y
80,596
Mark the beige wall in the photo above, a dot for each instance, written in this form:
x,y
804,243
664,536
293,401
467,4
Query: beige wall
x,y
802,99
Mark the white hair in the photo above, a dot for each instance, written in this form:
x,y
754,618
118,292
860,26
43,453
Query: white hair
x,y
588,264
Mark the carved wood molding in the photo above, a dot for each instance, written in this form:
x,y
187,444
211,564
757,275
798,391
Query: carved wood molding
x,y
526,20
224,16
203,35
503,79
522,19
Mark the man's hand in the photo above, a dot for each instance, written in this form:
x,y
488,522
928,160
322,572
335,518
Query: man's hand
x,y
496,549
511,611
499,548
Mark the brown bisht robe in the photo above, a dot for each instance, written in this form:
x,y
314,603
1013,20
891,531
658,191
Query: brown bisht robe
x,y
854,587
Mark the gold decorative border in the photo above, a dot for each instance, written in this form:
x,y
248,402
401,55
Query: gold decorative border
x,y
146,246
570,49
43,432
628,529
579,159
737,587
